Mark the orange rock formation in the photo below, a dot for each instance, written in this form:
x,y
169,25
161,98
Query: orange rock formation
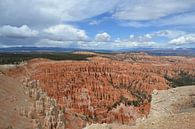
x,y
104,90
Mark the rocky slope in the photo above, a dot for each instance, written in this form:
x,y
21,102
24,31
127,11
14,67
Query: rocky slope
x,y
12,98
170,109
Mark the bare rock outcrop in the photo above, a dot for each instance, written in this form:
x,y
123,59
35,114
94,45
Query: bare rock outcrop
x,y
44,111
170,109
172,101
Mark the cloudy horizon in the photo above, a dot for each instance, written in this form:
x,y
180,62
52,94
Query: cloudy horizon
x,y
92,24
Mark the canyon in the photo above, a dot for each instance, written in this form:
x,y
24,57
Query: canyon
x,y
107,88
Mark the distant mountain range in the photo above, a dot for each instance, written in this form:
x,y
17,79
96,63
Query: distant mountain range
x,y
152,51
46,49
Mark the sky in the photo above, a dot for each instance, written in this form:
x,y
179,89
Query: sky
x,y
97,24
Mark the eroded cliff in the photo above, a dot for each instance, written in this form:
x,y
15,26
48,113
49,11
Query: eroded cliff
x,y
105,90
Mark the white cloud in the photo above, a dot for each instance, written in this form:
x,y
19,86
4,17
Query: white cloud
x,y
147,40
41,12
55,15
63,32
53,43
98,21
173,38
46,13
169,33
186,39
73,44
95,22
102,37
71,10
185,20
118,44
135,41
141,10
133,44
135,24
18,32
140,38
2,45
55,40
49,43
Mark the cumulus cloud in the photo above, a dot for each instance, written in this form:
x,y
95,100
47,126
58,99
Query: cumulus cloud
x,y
101,40
169,34
135,41
102,37
18,32
186,39
140,38
147,40
60,36
133,44
63,32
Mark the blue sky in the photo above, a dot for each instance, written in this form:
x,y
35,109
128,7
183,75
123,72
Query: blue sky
x,y
97,24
